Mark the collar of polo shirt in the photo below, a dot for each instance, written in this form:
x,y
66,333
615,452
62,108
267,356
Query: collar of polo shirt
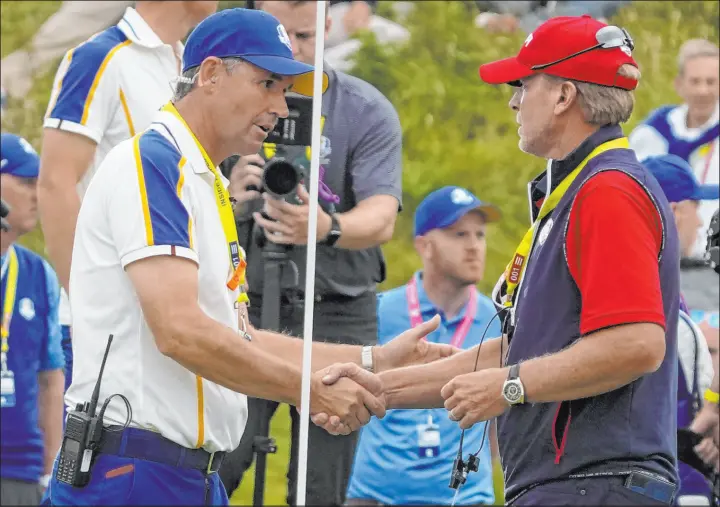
x,y
137,30
184,139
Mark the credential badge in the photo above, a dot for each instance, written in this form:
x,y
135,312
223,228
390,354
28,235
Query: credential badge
x,y
27,308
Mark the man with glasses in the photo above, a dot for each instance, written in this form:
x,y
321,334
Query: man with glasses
x,y
585,395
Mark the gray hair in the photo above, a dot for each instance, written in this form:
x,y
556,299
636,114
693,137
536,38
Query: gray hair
x,y
186,82
695,48
603,105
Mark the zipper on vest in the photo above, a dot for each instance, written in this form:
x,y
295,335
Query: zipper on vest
x,y
560,449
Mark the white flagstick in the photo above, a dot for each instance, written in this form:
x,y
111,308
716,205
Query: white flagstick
x,y
311,246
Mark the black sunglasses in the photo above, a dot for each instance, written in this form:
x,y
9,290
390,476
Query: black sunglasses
x,y
608,37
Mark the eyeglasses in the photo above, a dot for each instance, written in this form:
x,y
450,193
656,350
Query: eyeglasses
x,y
608,37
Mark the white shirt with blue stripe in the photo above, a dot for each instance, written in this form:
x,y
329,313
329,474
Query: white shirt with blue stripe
x,y
666,131
152,195
109,88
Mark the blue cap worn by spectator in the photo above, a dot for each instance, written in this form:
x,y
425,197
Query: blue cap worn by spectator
x,y
18,157
678,181
252,35
443,207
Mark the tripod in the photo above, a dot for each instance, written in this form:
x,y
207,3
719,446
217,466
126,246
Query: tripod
x,y
280,272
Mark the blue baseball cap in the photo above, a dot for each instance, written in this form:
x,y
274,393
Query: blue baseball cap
x,y
445,206
253,35
678,180
18,157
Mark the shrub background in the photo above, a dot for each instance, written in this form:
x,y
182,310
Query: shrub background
x,y
456,130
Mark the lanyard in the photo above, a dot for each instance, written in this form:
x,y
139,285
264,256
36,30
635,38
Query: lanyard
x,y
516,269
416,319
227,217
8,303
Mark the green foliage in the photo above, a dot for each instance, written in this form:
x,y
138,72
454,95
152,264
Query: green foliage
x,y
458,130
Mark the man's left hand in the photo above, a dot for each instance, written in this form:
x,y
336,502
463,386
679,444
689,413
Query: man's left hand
x,y
411,347
289,224
475,397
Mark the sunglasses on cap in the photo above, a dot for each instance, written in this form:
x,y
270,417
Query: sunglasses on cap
x,y
608,37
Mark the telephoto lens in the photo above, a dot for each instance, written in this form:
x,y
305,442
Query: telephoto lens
x,y
281,178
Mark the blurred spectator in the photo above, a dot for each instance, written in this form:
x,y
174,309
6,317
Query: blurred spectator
x,y
696,372
527,15
31,359
348,17
690,131
74,22
406,458
106,90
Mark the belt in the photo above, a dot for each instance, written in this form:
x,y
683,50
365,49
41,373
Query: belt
x,y
151,446
644,483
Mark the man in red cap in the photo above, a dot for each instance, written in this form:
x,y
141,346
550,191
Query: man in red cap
x,y
584,385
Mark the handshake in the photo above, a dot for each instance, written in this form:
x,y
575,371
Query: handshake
x,y
343,397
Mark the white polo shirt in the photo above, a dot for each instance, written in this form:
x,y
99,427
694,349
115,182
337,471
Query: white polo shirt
x,y
152,195
110,87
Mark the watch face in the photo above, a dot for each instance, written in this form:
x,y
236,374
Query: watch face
x,y
512,392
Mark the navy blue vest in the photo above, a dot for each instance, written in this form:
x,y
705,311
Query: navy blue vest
x,y
633,426
679,147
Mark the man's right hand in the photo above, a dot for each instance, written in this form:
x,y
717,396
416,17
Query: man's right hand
x,y
345,404
247,171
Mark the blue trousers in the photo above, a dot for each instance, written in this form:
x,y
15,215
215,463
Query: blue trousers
x,y
128,481
586,491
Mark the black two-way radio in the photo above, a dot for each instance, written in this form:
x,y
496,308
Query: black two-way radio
x,y
83,430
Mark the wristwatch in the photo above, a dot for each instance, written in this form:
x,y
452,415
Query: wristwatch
x,y
335,232
513,390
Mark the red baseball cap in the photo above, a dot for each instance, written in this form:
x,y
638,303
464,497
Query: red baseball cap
x,y
578,48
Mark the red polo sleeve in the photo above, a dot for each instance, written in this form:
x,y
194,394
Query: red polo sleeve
x,y
613,243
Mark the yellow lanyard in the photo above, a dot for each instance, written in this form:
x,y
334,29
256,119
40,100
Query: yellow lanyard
x,y
9,301
516,269
227,217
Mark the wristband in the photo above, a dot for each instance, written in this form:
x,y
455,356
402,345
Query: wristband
x,y
711,396
367,358
45,481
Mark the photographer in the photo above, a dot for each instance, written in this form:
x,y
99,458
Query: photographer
x,y
360,163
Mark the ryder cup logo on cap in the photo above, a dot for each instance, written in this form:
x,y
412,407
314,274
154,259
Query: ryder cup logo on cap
x,y
461,196
578,48
284,37
251,35
443,207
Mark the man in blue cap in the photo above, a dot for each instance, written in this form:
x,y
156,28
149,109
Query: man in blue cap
x,y
31,358
684,193
157,265
407,457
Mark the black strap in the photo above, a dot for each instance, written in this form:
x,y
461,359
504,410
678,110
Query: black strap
x,y
151,446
